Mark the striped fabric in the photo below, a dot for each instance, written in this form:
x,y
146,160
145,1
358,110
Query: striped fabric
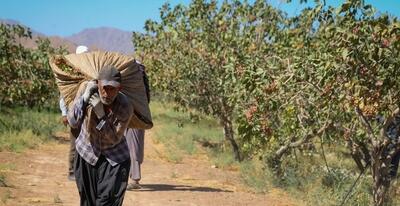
x,y
110,140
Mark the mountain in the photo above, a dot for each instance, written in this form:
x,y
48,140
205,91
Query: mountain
x,y
104,38
55,41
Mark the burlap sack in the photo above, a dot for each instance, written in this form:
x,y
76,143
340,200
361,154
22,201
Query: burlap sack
x,y
74,70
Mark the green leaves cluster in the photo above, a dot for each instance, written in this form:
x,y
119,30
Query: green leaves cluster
x,y
327,74
26,78
200,54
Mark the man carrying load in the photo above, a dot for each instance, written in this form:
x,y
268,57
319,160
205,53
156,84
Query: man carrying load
x,y
102,161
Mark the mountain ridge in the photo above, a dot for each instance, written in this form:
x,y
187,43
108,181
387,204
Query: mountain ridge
x,y
104,38
100,38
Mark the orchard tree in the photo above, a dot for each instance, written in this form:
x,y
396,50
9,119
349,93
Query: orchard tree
x,y
362,78
26,78
197,54
335,75
282,108
327,74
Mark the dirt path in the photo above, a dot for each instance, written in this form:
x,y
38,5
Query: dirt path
x,y
38,177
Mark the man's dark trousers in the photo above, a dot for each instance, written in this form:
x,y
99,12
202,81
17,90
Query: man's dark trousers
x,y
102,184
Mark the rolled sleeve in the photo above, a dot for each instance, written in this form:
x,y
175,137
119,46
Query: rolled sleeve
x,y
77,113
63,107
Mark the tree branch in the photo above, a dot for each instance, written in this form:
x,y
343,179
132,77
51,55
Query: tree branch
x,y
367,125
279,153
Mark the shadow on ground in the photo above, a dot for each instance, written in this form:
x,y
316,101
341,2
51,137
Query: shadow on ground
x,y
167,187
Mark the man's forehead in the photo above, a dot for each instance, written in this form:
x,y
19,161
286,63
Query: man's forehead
x,y
106,86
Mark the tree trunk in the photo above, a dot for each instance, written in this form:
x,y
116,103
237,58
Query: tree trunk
x,y
359,152
380,165
229,136
275,161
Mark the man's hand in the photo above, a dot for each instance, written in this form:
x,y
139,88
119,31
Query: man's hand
x,y
97,106
91,88
64,120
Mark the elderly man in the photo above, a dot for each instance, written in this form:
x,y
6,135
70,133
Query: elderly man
x,y
102,161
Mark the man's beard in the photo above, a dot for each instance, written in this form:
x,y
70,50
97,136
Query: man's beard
x,y
107,100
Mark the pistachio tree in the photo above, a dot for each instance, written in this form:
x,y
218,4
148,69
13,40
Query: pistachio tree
x,y
197,54
26,78
325,75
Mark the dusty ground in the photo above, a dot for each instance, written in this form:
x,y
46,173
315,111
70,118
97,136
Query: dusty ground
x,y
38,177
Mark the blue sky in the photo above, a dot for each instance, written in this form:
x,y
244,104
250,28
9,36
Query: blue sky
x,y
66,17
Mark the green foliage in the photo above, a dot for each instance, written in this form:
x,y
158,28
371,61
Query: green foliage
x,y
179,133
256,176
327,74
198,53
22,128
221,157
306,179
26,78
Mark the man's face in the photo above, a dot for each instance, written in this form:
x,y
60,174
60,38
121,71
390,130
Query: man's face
x,y
107,93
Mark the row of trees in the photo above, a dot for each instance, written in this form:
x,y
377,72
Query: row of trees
x,y
26,78
328,73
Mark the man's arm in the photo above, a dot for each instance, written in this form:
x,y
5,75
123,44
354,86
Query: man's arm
x,y
64,111
63,107
77,113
